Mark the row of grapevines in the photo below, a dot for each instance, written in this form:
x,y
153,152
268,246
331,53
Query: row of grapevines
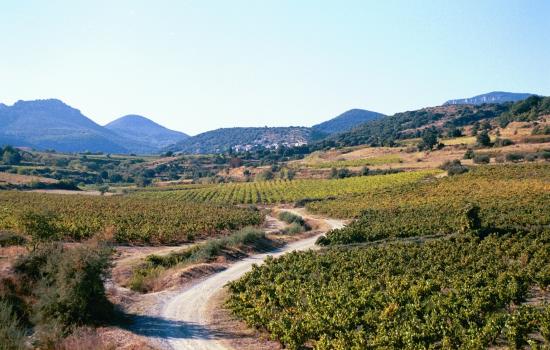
x,y
509,198
131,219
449,293
278,191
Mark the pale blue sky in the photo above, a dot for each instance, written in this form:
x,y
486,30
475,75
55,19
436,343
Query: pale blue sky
x,y
200,65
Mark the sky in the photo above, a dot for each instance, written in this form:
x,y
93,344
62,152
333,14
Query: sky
x,y
198,65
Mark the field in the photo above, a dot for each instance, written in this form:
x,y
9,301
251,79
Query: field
x,y
129,219
286,191
381,160
456,293
511,197
476,278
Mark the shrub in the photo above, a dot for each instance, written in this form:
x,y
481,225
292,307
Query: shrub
x,y
295,228
531,157
503,142
483,139
482,159
12,335
544,155
290,218
39,226
514,157
68,284
453,167
265,175
8,239
469,154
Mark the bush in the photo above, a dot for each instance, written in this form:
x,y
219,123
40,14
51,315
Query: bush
x,y
294,228
290,218
453,167
514,157
40,227
67,283
12,335
483,139
482,159
469,154
8,239
265,175
544,155
503,142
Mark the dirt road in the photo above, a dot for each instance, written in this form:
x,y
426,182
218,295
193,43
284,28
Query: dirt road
x,y
183,322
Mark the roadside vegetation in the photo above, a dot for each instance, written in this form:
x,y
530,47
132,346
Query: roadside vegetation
x,y
148,276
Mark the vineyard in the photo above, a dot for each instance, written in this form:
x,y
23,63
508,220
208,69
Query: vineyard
x,y
510,198
460,292
278,191
130,219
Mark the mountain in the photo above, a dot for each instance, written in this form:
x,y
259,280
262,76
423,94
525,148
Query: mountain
x,y
385,131
51,124
491,97
145,132
240,139
347,121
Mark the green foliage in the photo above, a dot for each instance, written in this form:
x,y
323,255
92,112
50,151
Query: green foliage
x,y
429,139
129,218
469,154
510,198
482,159
284,191
67,283
447,293
8,239
41,227
386,130
265,175
527,110
483,139
454,167
514,157
247,238
10,156
290,218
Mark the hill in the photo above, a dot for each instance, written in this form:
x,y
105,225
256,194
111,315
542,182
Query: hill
x,y
243,139
51,124
491,97
142,131
347,121
385,131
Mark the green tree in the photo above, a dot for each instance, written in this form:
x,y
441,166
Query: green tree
x,y
11,156
40,227
429,139
483,139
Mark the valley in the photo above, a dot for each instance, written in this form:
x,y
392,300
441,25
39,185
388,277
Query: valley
x,y
424,228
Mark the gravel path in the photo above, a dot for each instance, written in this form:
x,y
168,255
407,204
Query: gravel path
x,y
182,323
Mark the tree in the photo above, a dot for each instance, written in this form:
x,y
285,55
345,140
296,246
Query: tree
x,y
40,227
429,139
103,189
483,139
11,156
265,175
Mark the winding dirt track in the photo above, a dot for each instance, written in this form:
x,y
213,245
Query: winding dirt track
x,y
185,314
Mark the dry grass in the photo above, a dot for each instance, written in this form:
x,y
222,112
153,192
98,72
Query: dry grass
x,y
16,179
464,140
